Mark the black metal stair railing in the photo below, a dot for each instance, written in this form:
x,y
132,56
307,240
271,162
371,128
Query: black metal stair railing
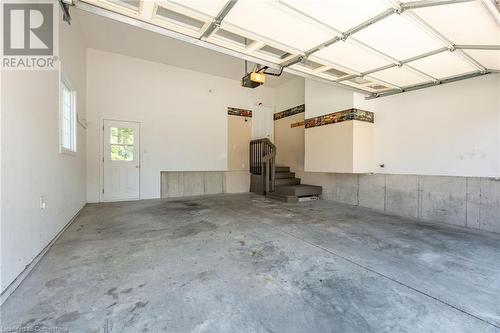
x,y
262,162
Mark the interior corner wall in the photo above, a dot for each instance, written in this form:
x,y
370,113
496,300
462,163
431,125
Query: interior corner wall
x,y
239,135
31,163
289,140
322,98
453,129
183,115
289,94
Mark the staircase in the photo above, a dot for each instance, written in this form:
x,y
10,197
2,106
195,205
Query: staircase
x,y
287,188
277,182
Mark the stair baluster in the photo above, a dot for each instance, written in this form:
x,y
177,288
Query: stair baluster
x,y
262,162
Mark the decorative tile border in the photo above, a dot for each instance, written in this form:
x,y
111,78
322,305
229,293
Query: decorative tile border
x,y
298,124
290,112
337,117
239,112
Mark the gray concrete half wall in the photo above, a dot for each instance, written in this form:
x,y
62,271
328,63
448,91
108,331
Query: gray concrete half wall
x,y
470,202
192,183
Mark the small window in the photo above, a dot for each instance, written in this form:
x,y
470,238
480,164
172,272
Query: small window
x,y
67,121
122,144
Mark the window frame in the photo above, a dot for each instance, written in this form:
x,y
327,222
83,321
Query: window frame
x,y
65,84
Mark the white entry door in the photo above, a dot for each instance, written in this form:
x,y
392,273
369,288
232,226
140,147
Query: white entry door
x,y
121,160
262,122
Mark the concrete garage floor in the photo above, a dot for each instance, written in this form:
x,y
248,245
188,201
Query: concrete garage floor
x,y
244,263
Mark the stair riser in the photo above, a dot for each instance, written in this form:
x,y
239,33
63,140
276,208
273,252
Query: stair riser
x,y
287,181
281,175
283,198
282,169
298,192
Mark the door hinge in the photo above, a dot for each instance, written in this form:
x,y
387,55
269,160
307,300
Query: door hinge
x,y
102,191
103,128
103,159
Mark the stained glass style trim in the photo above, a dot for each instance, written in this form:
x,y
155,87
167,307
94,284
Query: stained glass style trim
x,y
340,116
290,112
239,112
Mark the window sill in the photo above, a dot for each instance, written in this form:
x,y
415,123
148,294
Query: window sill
x,y
64,151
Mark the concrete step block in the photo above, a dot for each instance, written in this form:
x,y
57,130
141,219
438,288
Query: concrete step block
x,y
282,169
280,175
282,198
298,190
287,181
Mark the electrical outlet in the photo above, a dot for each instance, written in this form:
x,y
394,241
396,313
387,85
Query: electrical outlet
x,y
43,204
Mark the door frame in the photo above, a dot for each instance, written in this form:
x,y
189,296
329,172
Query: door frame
x,y
101,157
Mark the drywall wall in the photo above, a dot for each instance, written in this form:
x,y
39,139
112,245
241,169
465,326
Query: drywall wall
x,y
453,129
341,147
337,154
322,98
31,163
183,115
349,148
289,140
239,134
290,94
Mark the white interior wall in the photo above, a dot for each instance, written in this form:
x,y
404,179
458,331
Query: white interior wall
x,y
453,129
183,115
289,141
322,98
31,163
289,94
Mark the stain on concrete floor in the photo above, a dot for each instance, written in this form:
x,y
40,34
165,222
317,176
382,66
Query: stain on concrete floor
x,y
243,263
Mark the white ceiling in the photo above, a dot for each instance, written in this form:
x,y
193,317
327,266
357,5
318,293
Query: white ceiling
x,y
425,43
108,35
